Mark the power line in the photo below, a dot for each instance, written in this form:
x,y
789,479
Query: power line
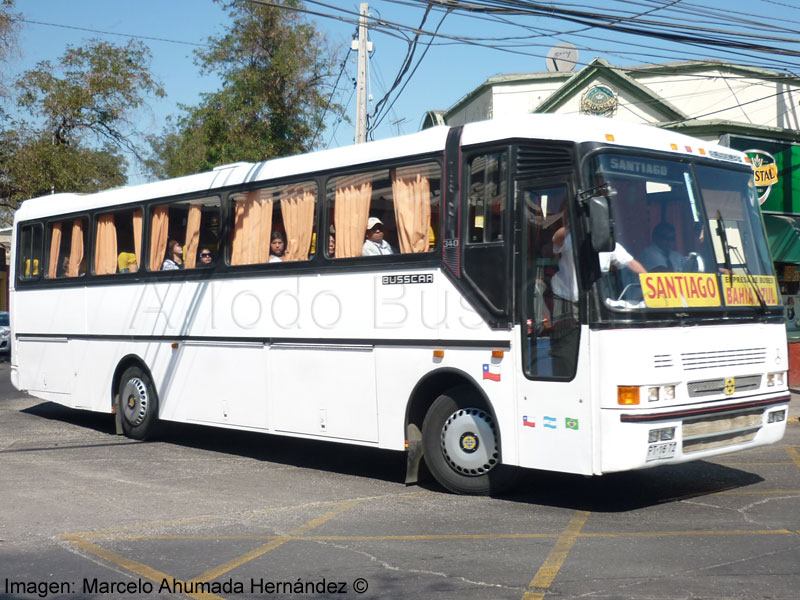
x,y
127,35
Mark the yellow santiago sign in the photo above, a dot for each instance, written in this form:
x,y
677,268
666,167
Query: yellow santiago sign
x,y
677,290
738,290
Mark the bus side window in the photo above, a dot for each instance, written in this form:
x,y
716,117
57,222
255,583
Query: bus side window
x,y
285,213
193,224
68,243
484,253
384,212
118,242
30,245
487,198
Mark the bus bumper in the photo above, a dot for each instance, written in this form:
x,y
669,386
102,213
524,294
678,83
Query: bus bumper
x,y
635,439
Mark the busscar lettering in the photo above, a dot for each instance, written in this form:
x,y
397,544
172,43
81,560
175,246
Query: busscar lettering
x,y
409,278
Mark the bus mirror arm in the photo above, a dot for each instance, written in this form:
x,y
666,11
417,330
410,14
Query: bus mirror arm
x,y
600,223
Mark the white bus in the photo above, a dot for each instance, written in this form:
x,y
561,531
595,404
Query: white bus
x,y
570,294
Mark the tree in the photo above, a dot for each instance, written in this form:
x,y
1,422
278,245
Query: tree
x,y
274,68
8,40
101,88
82,122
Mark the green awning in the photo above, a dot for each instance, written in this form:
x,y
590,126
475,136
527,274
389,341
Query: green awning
x,y
783,234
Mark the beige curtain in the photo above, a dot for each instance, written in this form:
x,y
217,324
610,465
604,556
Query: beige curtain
x,y
350,214
76,249
105,257
297,207
138,217
159,228
412,209
251,228
192,236
55,250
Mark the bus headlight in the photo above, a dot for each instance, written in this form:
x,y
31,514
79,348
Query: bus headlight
x,y
661,435
775,379
776,416
628,395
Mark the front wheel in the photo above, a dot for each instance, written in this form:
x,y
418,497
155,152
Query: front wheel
x,y
461,445
138,404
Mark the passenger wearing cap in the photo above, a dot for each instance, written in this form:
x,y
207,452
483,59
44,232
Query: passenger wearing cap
x,y
375,245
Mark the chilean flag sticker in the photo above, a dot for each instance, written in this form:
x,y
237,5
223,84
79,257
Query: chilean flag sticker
x,y
491,372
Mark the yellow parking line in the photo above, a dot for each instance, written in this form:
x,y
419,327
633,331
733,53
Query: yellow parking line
x,y
268,547
133,566
794,454
552,564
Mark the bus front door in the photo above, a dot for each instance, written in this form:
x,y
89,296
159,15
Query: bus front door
x,y
554,411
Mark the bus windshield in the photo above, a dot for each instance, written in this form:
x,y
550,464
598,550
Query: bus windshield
x,y
686,236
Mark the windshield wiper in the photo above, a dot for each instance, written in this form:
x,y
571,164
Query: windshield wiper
x,y
750,279
723,238
726,251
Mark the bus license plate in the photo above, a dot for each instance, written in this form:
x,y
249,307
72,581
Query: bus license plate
x,y
661,451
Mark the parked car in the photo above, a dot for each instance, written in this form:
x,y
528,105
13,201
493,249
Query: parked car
x,y
5,333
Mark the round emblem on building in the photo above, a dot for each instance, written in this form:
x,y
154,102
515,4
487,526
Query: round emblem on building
x,y
599,100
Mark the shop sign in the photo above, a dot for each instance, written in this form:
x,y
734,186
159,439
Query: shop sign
x,y
599,100
765,171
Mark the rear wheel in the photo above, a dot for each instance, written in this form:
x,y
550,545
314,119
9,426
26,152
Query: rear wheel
x,y
138,404
461,444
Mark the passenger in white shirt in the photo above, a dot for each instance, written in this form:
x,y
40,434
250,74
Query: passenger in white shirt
x,y
565,282
375,245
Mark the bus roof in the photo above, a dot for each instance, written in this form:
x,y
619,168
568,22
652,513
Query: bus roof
x,y
535,126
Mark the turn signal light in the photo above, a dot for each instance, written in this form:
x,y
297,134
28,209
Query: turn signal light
x,y
627,395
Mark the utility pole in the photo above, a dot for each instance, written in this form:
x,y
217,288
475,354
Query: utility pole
x,y
363,45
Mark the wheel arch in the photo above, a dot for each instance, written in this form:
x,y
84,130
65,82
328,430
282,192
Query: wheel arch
x,y
427,389
130,360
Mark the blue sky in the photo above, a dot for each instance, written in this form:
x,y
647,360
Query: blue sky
x,y
449,70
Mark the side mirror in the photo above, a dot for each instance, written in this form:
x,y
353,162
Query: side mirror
x,y
600,224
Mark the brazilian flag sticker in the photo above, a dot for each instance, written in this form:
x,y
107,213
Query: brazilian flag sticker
x,y
571,423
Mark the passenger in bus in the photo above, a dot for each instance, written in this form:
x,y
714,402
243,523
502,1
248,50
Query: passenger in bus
x,y
126,261
332,244
374,244
63,267
661,254
565,281
564,285
174,259
277,247
206,257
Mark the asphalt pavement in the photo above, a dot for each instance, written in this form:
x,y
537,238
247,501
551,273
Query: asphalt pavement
x,y
208,513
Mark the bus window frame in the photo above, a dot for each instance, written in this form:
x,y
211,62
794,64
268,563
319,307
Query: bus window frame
x,y
151,205
47,240
20,278
327,213
96,214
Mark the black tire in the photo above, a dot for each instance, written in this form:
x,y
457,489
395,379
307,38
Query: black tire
x,y
461,445
138,404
